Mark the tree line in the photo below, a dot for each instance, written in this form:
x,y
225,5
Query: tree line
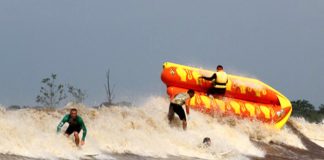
x,y
52,93
303,108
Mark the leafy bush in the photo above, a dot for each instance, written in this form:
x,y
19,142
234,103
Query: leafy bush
x,y
51,94
303,108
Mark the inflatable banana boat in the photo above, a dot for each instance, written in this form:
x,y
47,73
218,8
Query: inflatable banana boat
x,y
244,97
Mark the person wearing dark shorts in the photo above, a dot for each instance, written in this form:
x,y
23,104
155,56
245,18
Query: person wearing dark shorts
x,y
73,127
216,91
176,107
76,124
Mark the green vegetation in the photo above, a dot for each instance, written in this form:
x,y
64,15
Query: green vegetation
x,y
77,94
303,108
52,94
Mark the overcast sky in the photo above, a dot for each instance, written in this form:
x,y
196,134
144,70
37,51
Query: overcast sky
x,y
279,42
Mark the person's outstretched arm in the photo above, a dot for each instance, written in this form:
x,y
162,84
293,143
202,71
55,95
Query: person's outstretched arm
x,y
187,109
187,106
84,128
60,125
209,78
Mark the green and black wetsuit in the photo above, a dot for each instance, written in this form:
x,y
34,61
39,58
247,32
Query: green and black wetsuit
x,y
75,125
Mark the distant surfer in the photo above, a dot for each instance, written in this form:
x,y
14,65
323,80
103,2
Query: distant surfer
x,y
219,81
75,125
207,142
176,106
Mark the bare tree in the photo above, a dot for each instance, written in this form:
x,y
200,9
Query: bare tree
x,y
109,89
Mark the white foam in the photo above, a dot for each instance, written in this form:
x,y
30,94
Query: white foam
x,y
312,130
2,108
142,130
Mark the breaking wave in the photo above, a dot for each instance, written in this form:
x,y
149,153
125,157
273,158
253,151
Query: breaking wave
x,y
142,130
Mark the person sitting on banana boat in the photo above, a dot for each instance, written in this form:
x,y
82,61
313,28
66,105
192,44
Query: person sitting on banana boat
x,y
176,106
75,125
219,81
